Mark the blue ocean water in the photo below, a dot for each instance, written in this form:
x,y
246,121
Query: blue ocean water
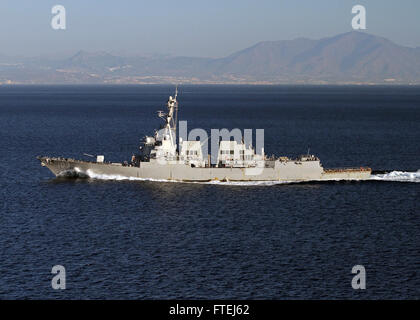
x,y
160,240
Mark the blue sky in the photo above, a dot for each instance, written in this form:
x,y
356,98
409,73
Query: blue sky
x,y
192,27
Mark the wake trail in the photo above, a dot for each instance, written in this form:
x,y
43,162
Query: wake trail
x,y
392,176
399,176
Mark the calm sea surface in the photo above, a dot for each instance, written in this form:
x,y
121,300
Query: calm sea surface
x,y
147,240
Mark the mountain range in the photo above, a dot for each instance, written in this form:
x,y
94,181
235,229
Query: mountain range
x,y
352,58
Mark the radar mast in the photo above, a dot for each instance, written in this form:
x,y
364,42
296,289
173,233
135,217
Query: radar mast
x,y
170,118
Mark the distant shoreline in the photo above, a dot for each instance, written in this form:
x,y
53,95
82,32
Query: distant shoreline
x,y
216,84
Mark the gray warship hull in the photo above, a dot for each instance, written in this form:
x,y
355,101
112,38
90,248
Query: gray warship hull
x,y
161,158
287,171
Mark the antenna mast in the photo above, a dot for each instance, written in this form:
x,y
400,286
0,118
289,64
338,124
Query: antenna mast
x,y
176,110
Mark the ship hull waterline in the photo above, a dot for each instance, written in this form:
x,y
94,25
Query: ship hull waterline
x,y
289,171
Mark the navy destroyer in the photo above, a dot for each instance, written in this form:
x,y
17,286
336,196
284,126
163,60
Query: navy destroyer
x,y
161,158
